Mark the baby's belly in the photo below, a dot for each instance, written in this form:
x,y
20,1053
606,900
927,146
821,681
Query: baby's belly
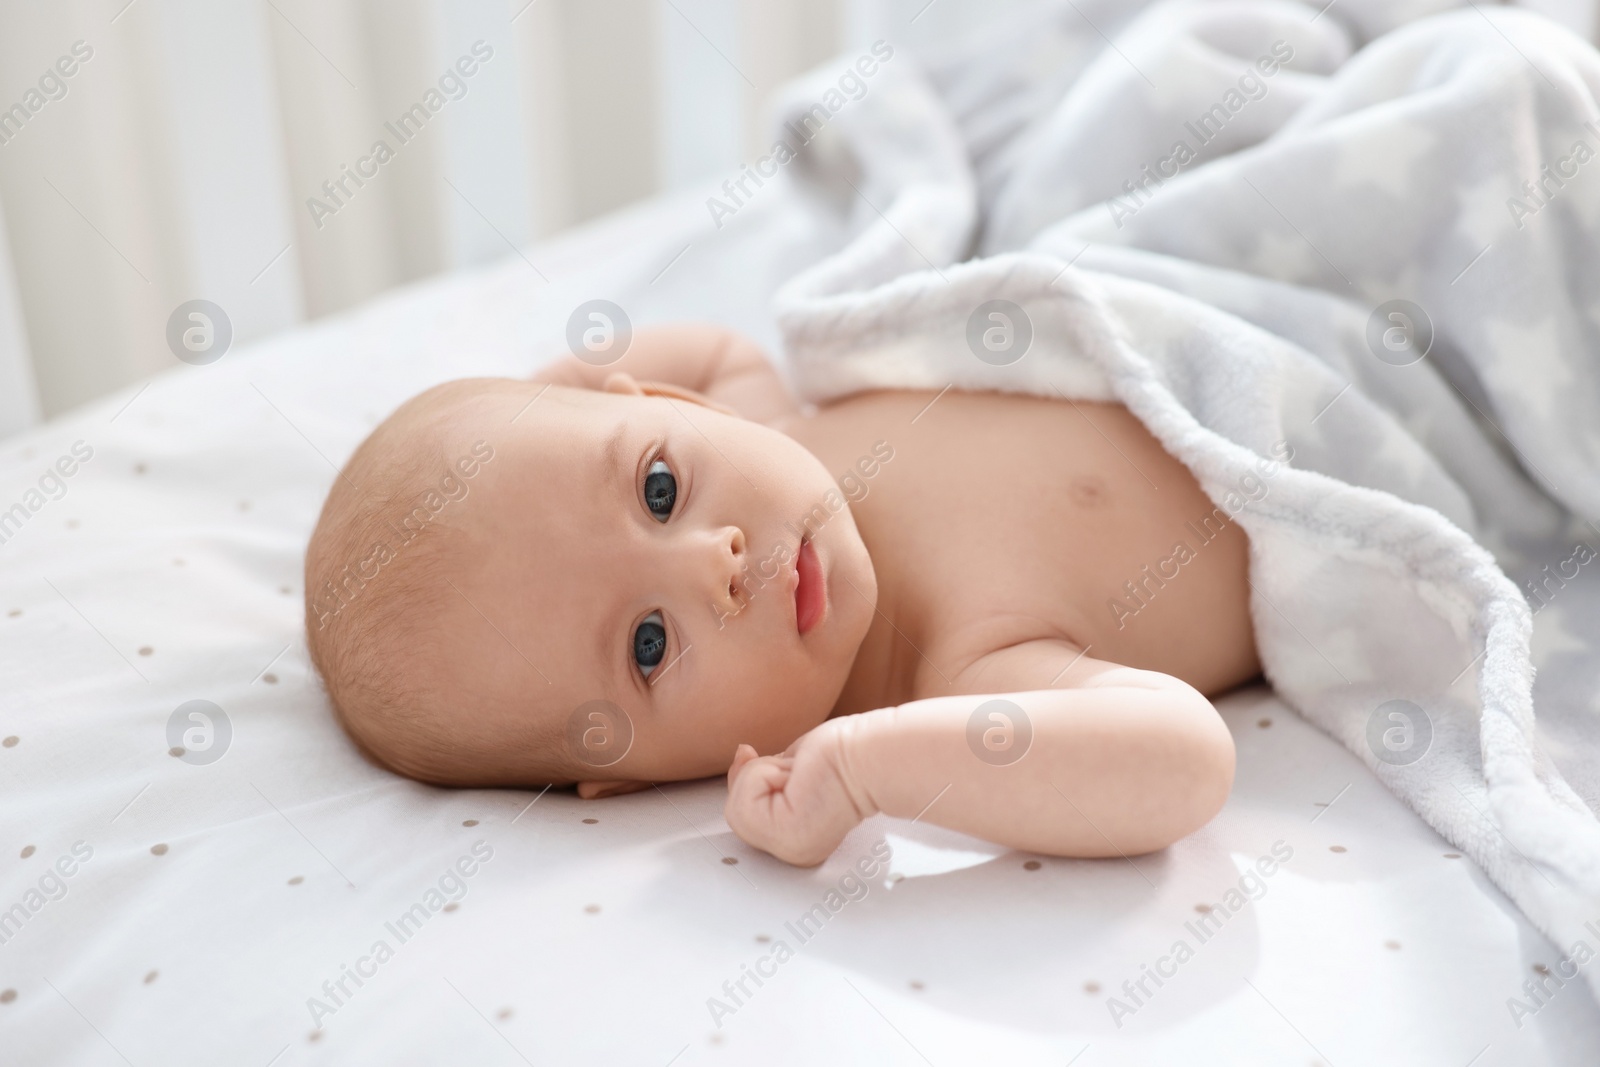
x,y
1020,518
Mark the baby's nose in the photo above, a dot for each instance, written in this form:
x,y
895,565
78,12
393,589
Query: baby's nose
x,y
725,566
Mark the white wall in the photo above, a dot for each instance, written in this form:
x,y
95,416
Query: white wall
x,y
179,163
19,397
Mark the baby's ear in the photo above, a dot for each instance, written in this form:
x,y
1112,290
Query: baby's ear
x,y
621,382
595,790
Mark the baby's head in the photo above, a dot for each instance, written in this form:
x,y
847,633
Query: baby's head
x,y
520,584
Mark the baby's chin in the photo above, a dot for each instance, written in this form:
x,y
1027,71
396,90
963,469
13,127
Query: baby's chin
x,y
853,597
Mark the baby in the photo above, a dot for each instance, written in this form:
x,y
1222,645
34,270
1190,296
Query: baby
x,y
996,613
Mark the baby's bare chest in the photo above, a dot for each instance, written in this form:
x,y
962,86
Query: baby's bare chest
x,y
1004,519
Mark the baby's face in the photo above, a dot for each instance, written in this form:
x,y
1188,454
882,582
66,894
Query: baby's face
x,y
680,564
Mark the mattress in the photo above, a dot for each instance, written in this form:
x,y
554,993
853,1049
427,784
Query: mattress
x,y
198,868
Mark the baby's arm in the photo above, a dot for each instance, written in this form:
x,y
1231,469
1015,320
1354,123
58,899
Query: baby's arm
x,y
1123,762
711,360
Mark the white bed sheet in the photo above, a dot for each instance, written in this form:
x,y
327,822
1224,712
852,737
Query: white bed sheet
x,y
219,898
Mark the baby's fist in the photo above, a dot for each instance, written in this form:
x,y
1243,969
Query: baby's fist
x,y
795,806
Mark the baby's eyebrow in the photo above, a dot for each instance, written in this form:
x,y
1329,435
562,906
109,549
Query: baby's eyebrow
x,y
611,652
611,454
608,649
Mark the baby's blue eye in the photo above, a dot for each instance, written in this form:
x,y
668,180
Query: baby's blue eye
x,y
660,490
649,643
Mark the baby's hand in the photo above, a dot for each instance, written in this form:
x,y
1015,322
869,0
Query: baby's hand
x,y
795,806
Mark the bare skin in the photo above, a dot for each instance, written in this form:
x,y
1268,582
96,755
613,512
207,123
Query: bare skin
x,y
979,562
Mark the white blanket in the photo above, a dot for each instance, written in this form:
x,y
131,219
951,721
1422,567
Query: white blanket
x,y
1214,237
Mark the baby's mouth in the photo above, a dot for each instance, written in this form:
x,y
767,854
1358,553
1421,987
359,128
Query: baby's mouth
x,y
811,591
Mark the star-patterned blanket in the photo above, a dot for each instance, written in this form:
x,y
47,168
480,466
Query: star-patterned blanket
x,y
1364,240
